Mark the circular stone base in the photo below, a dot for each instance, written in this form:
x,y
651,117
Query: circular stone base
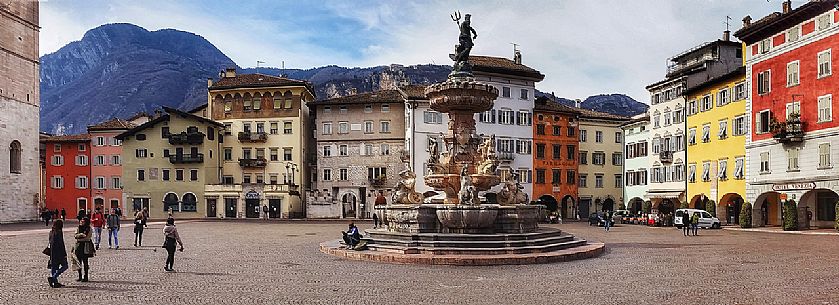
x,y
589,250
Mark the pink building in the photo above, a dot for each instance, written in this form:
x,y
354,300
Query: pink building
x,y
106,165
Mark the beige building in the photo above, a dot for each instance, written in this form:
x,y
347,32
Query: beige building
x,y
266,153
19,107
600,180
359,142
167,161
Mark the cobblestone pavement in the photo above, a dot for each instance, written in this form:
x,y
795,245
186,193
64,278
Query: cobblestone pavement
x,y
279,263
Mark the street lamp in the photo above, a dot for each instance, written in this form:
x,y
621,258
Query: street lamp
x,y
290,169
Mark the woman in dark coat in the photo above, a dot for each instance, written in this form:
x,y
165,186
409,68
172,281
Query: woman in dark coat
x,y
84,247
58,254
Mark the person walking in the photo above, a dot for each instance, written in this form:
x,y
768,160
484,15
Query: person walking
x,y
694,223
112,221
265,211
375,221
81,214
145,217
63,214
607,220
171,237
58,254
84,249
46,215
139,222
98,221
686,225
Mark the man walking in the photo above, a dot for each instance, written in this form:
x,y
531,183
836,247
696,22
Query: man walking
x,y
607,220
686,223
113,229
98,221
63,214
265,211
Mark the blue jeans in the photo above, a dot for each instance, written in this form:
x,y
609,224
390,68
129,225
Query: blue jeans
x,y
55,271
695,228
113,233
97,236
606,224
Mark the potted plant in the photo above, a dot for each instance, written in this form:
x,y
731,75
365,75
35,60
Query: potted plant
x,y
746,215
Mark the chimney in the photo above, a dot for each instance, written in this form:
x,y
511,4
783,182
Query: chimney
x,y
517,57
726,35
230,72
786,6
577,103
209,82
747,21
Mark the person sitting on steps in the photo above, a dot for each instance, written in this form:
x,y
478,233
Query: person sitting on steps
x,y
351,237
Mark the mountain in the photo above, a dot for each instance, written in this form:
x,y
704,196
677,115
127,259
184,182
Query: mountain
x,y
618,104
117,70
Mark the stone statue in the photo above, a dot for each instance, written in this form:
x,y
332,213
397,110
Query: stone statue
x,y
405,189
512,192
433,163
468,193
489,162
464,46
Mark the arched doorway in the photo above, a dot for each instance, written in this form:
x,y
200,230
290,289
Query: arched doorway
x,y
99,203
821,207
348,202
598,205
767,209
729,208
170,202
696,201
567,206
608,204
635,205
667,206
189,203
699,204
549,202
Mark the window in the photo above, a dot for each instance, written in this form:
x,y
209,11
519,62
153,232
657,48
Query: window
x,y
272,179
583,135
327,150
740,91
57,182
246,178
246,104
179,175
571,151
825,108
246,153
618,137
342,150
739,168
274,154
583,157
525,175
228,153
707,103
524,118
706,133
824,63
540,151
692,173
505,92
506,117
722,169
678,115
763,81
765,45
485,117
506,145
141,153
557,130
385,107
706,171
823,21
99,160
228,127
100,141
824,155
140,137
792,159
327,109
342,174
374,173
81,160
260,127
287,103
81,182
99,183
327,174
368,150
343,127
228,106
598,136
598,158
723,133
286,127
618,181
368,108
257,102
667,117
657,120
275,128
617,159
557,151
385,126
58,160
583,180
116,182
540,129
434,117
570,177
384,149
792,73
570,130
56,148
165,175
327,128
656,145
598,181
287,154
342,109
368,126
278,101
762,121
793,108
793,34
739,126
692,107
524,94
227,180
540,176
523,147
764,162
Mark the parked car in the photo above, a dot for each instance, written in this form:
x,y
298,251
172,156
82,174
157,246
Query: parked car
x,y
598,219
621,216
706,220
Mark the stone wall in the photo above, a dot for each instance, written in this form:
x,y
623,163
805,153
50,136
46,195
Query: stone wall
x,y
19,122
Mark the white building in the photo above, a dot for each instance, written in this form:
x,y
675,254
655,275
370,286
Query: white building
x,y
636,164
422,127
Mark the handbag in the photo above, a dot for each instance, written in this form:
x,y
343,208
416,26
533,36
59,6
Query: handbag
x,y
47,251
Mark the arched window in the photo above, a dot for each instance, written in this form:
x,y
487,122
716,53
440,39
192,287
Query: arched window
x,y
189,203
287,100
14,157
171,202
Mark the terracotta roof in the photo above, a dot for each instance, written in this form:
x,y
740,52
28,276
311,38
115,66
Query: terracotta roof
x,y
413,92
169,112
384,96
139,115
586,113
112,124
257,81
197,108
736,73
776,22
67,138
502,65
544,103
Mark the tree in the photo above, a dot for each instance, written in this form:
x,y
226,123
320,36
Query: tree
x,y
711,207
746,215
837,216
647,207
790,216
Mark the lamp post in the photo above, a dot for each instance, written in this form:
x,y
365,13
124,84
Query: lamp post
x,y
290,169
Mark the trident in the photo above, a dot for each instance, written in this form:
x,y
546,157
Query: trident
x,y
456,17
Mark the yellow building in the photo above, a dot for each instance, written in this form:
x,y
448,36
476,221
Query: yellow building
x,y
717,126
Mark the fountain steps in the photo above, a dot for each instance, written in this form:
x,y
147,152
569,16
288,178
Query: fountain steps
x,y
384,234
554,246
377,241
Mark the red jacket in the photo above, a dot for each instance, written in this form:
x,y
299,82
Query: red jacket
x,y
98,220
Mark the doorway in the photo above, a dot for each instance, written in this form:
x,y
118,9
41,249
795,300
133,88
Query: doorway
x,y
230,207
211,208
99,203
348,202
585,205
274,208
252,208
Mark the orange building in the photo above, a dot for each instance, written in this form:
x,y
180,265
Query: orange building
x,y
556,146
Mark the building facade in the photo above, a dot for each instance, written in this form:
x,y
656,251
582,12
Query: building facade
x,y
793,137
636,135
555,154
68,174
423,126
600,178
511,118
19,111
716,144
267,150
360,140
167,161
106,164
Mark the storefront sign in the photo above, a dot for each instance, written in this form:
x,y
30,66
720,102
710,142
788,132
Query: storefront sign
x,y
252,195
794,186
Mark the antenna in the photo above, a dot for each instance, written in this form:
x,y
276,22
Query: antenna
x,y
727,25
515,46
282,70
257,65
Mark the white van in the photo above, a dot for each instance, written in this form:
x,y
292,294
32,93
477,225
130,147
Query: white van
x,y
705,219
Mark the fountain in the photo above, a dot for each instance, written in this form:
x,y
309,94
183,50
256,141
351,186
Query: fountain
x,y
460,229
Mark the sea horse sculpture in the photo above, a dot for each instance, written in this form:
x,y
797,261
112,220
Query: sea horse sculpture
x,y
512,192
406,189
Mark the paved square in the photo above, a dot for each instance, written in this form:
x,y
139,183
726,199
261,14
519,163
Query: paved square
x,y
279,263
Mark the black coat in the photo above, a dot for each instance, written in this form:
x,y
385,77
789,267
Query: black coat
x,y
58,254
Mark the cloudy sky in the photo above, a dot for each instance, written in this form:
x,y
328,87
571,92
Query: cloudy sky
x,y
584,47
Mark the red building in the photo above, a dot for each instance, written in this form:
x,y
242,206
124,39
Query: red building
x,y
68,173
789,66
556,146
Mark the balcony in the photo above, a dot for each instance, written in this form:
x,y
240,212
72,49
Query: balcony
x,y
249,136
183,138
182,159
506,156
666,156
791,131
253,163
378,182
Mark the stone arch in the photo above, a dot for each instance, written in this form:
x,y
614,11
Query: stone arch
x,y
348,204
635,204
171,201
549,201
15,157
821,207
608,204
189,202
767,210
567,206
728,209
695,201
